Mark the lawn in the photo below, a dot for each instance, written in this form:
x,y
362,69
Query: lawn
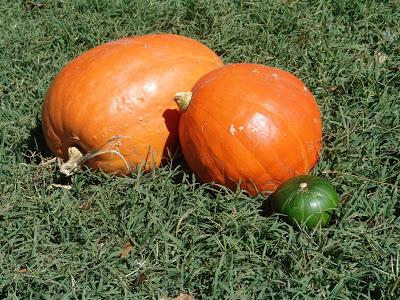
x,y
163,233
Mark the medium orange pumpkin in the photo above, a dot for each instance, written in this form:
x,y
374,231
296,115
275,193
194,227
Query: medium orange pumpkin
x,y
249,124
114,102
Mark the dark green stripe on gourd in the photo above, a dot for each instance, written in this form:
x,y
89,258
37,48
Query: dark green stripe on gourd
x,y
305,199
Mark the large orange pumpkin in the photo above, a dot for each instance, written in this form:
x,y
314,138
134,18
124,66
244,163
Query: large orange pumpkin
x,y
114,102
249,124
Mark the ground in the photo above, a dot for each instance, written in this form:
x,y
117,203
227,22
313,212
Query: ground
x,y
163,233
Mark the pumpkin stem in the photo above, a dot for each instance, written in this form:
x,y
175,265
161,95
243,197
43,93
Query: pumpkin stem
x,y
76,159
73,163
183,100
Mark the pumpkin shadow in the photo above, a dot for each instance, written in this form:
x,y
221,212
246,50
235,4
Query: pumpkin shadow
x,y
36,152
171,151
36,144
172,155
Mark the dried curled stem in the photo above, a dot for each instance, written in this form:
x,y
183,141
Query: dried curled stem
x,y
76,159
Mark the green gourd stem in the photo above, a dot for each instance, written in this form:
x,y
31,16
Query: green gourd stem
x,y
183,100
303,186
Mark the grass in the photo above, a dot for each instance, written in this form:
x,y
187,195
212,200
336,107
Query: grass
x,y
187,237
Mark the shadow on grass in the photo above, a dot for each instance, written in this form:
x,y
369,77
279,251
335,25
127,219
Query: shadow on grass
x,y
265,208
36,144
397,210
35,151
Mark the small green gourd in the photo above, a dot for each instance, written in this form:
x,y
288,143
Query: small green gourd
x,y
305,199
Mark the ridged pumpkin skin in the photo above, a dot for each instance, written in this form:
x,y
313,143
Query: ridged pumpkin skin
x,y
252,124
306,199
119,96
